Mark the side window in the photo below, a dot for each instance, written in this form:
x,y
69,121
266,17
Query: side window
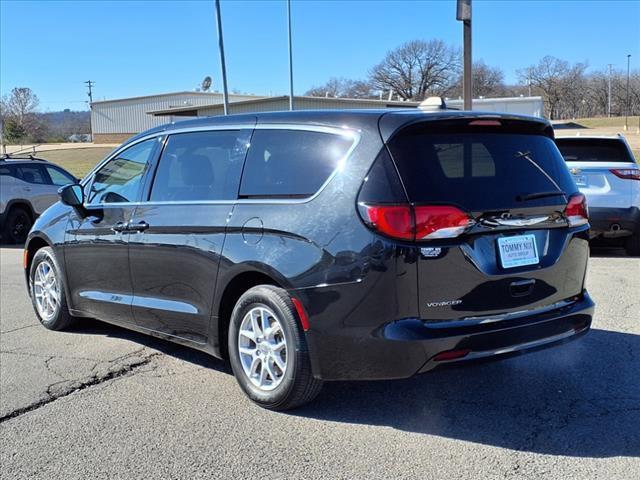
x,y
120,179
58,177
32,174
291,163
8,171
201,166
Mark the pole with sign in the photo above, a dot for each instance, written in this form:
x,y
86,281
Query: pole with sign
x,y
463,14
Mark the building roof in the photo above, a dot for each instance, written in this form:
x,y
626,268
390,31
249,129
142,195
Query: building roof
x,y
214,107
184,93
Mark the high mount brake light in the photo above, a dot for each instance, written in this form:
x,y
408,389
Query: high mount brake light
x,y
423,222
577,212
485,123
626,173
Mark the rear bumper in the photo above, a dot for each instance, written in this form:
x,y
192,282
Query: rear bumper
x,y
406,347
613,222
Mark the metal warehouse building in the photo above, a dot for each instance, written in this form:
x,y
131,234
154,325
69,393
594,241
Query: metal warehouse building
x,y
113,121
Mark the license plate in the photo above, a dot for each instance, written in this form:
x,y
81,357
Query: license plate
x,y
581,180
518,251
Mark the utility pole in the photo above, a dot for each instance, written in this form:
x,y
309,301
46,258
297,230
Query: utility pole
x,y
609,94
225,95
529,79
290,57
463,14
626,114
90,84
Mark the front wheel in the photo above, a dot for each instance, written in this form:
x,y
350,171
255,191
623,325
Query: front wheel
x,y
47,291
268,350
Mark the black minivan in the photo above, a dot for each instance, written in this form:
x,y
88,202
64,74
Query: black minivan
x,y
324,245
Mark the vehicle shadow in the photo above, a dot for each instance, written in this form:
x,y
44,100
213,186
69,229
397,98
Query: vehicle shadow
x,y
609,252
88,326
581,399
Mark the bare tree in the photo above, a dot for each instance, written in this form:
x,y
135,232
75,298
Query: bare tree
x,y
343,87
558,81
418,69
21,103
488,81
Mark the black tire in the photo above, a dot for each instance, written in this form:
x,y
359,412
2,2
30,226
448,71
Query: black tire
x,y
60,319
632,245
297,385
17,224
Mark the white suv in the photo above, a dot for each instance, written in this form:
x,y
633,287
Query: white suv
x,y
604,170
28,186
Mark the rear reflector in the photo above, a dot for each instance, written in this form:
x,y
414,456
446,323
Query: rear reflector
x,y
304,320
451,355
626,173
577,212
423,222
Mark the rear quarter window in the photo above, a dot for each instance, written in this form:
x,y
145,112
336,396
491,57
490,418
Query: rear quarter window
x,y
291,163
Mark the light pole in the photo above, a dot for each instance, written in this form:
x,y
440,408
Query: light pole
x,y
225,96
290,57
463,13
609,94
626,114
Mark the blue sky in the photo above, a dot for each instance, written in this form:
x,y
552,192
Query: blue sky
x,y
139,48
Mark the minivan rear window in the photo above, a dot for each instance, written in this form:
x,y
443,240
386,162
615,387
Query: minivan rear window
x,y
291,163
593,150
479,171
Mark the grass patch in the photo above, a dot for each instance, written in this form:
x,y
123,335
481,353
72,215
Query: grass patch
x,y
77,160
607,122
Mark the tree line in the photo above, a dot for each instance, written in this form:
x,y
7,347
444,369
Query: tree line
x,y
23,123
423,68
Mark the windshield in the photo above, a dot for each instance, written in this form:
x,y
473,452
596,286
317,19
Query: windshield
x,y
480,171
593,150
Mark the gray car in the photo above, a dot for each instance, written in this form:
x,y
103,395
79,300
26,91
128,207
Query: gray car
x,y
28,186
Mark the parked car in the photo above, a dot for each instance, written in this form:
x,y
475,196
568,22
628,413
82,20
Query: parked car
x,y
606,172
28,186
330,245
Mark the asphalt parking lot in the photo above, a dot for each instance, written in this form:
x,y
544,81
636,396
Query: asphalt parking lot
x,y
103,402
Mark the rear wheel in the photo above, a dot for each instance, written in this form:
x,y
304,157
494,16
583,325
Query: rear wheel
x,y
17,225
632,244
47,291
268,350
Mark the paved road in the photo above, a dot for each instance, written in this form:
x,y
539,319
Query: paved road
x,y
101,402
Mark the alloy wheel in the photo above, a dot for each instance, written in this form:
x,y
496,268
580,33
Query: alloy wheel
x,y
262,347
46,290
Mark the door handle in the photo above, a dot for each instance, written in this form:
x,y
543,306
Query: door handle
x,y
119,227
26,189
138,227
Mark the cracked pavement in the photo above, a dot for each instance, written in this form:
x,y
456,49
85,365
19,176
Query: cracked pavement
x,y
103,402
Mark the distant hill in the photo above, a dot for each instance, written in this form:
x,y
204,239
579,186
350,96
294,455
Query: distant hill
x,y
66,123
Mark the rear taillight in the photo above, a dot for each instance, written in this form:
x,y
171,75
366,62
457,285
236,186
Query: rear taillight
x,y
440,221
577,212
626,173
424,222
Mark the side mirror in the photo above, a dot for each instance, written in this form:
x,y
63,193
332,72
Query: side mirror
x,y
73,195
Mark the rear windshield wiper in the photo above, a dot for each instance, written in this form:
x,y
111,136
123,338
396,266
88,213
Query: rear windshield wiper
x,y
534,196
527,157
